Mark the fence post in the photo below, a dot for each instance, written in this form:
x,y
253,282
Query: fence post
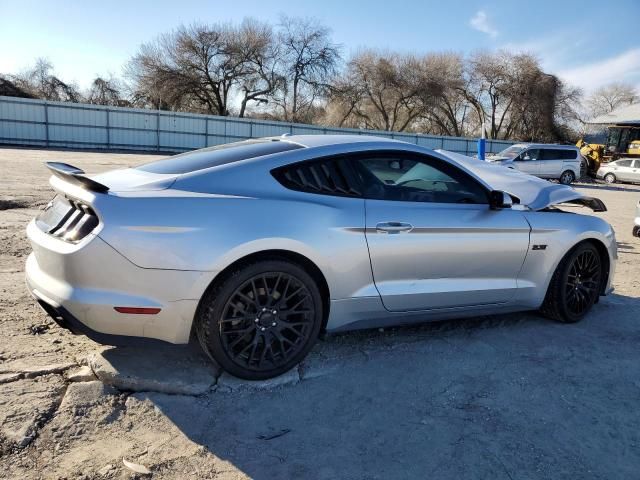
x,y
46,122
251,129
206,131
108,130
158,131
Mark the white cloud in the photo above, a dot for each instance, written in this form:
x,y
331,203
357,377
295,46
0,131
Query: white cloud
x,y
623,67
480,21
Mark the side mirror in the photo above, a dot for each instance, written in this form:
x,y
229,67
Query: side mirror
x,y
499,199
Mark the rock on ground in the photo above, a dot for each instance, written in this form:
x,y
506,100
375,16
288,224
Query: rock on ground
x,y
172,370
82,374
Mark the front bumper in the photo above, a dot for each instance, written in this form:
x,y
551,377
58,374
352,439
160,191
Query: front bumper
x,y
80,284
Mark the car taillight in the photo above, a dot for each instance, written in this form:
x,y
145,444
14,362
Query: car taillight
x,y
67,219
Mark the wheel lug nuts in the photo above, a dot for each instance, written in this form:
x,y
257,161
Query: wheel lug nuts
x,y
256,320
262,329
274,312
273,324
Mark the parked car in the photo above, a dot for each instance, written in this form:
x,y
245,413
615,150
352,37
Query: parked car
x,y
636,227
258,246
557,162
623,170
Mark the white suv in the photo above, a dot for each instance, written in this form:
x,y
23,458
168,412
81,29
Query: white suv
x,y
559,162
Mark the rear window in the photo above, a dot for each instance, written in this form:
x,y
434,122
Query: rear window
x,y
218,155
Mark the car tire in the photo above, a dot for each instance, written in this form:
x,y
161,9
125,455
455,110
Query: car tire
x,y
610,178
636,231
575,286
567,177
261,319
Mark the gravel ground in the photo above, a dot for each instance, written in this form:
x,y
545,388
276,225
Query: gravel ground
x,y
511,397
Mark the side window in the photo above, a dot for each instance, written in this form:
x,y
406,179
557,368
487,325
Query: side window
x,y
416,179
636,164
329,176
623,163
570,154
531,154
565,154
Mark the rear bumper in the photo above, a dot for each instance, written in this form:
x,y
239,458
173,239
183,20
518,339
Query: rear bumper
x,y
66,320
80,284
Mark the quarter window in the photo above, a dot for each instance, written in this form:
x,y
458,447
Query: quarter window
x,y
330,176
416,179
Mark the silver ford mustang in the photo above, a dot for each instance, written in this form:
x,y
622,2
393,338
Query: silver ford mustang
x,y
256,247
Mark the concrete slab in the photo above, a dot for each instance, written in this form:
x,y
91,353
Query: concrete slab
x,y
85,394
229,383
27,369
24,406
174,370
82,374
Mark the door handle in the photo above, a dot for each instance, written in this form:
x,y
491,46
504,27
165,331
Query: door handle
x,y
393,227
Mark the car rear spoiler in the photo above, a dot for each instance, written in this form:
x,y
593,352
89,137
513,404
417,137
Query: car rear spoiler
x,y
74,175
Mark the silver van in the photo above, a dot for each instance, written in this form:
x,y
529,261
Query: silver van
x,y
558,162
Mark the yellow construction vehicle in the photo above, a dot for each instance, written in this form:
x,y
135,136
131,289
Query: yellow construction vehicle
x,y
621,141
593,154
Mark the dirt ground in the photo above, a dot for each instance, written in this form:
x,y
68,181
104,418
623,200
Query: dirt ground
x,y
502,397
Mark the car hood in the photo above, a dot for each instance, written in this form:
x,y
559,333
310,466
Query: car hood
x,y
498,159
533,192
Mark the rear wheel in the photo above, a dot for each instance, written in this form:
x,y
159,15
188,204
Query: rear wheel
x,y
567,177
575,285
260,320
610,178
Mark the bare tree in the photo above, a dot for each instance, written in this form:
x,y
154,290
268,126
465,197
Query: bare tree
x,y
257,46
385,91
40,81
308,59
193,68
9,88
106,91
606,99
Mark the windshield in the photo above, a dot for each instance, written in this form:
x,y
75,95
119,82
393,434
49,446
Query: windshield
x,y
512,152
423,172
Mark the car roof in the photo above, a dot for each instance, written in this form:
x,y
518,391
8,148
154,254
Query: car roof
x,y
311,141
546,145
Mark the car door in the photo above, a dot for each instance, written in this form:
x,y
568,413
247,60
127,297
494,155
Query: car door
x,y
634,172
550,163
528,162
433,240
622,170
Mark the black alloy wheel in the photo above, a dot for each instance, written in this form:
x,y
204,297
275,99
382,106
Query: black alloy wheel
x,y
262,320
576,285
583,282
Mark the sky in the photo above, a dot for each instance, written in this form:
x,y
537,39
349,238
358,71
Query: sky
x,y
586,43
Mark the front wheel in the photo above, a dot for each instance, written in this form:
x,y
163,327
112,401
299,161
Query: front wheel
x,y
575,285
567,177
610,178
260,320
